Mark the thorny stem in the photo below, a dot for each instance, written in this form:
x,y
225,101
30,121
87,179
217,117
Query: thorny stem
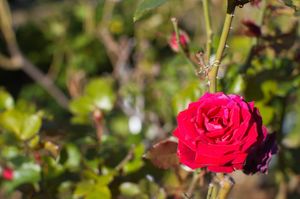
x,y
212,75
177,33
209,33
226,183
212,191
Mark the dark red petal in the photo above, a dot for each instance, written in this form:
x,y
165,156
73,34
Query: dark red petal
x,y
221,169
186,156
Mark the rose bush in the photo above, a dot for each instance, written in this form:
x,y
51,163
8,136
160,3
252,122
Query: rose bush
x,y
223,133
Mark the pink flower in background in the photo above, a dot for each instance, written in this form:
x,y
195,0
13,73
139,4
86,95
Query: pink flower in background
x,y
183,38
8,174
223,133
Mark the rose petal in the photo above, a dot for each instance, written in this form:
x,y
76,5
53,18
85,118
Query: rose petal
x,y
186,156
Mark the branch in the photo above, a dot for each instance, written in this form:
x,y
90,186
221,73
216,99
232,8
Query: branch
x,y
197,175
10,63
46,82
111,46
127,158
19,61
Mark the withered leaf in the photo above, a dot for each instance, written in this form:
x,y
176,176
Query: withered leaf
x,y
163,154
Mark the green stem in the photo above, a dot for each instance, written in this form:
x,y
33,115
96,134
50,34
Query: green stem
x,y
209,33
212,75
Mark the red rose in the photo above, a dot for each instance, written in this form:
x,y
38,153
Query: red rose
x,y
220,132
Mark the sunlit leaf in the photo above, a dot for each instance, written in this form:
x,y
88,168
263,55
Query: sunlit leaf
x,y
129,189
189,93
6,100
73,157
24,125
267,112
137,162
27,173
146,6
237,86
90,190
98,93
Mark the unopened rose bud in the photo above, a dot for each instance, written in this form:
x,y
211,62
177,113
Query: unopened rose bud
x,y
252,30
97,116
255,2
183,38
7,174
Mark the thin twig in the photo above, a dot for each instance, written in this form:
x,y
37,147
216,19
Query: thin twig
x,y
44,81
197,175
18,61
127,158
111,46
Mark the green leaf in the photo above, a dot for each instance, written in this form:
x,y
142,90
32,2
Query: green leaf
x,y
6,100
146,6
292,4
82,105
10,152
27,173
98,93
105,179
99,192
237,86
83,188
129,189
90,190
24,125
267,112
137,162
102,93
189,93
74,157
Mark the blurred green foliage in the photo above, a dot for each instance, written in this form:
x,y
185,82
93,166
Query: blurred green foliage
x,y
126,86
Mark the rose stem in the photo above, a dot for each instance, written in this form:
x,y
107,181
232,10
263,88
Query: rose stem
x,y
212,191
212,75
226,183
209,33
177,33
